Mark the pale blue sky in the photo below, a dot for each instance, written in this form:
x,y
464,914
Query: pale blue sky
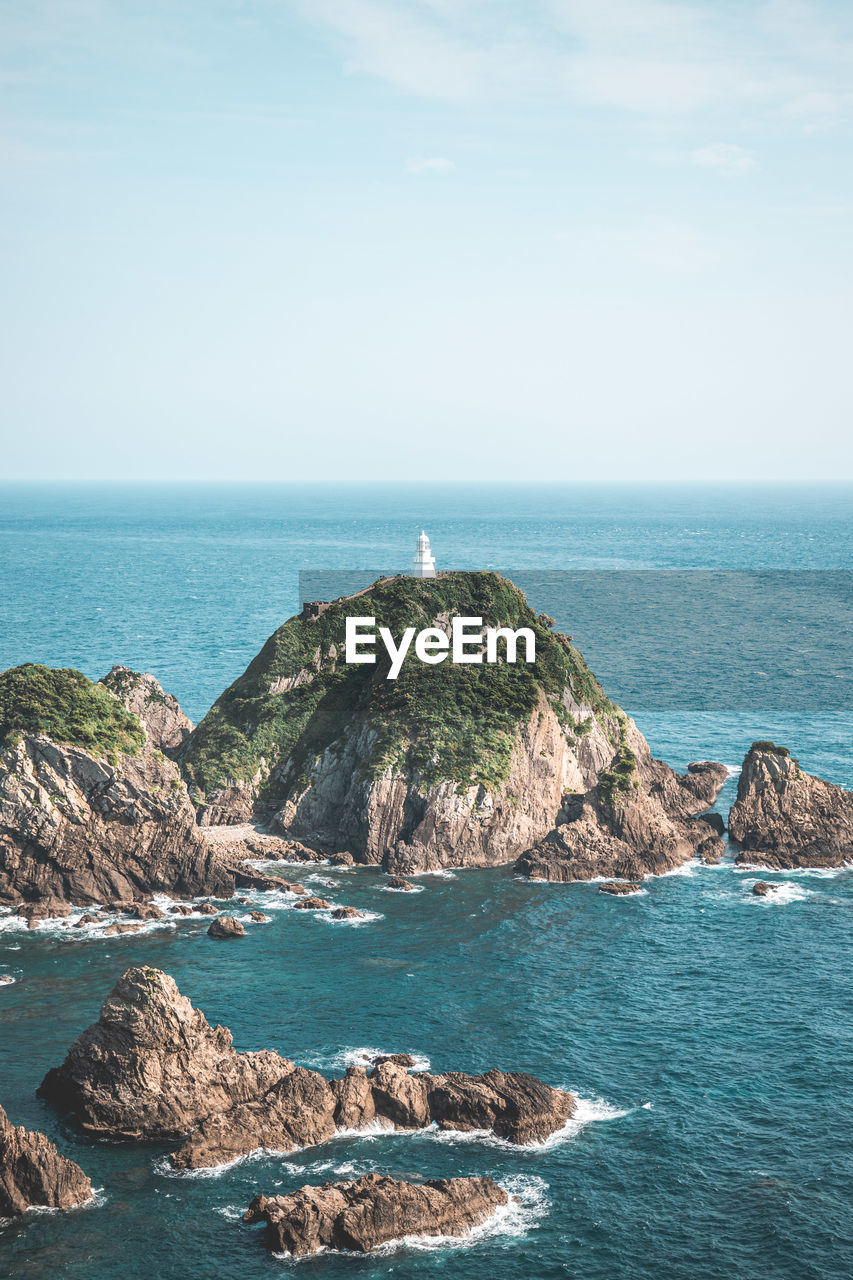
x,y
505,239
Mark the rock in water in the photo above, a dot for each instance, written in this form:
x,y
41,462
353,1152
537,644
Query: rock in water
x,y
347,913
618,889
639,818
761,888
785,818
152,1067
374,1210
312,904
33,1173
90,811
455,764
226,927
397,882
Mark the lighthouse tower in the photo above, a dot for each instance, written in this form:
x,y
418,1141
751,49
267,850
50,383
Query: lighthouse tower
x,y
423,565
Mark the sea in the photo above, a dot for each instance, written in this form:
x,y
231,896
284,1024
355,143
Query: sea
x,y
707,1033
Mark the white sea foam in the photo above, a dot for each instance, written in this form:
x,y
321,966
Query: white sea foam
x,y
416,888
366,917
781,894
6,980
363,1056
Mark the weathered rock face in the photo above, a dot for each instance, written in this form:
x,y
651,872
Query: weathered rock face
x,y
33,1173
462,764
226,927
629,825
786,818
166,727
152,1067
81,829
374,1210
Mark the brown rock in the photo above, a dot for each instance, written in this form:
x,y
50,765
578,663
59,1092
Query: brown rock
x,y
33,1173
761,888
166,727
785,818
312,904
374,1210
399,1059
347,913
46,910
711,851
244,902
258,917
84,920
226,927
397,882
341,860
180,909
152,1067
206,909
147,911
617,889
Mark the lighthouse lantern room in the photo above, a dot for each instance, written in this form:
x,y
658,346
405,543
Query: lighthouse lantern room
x,y
423,565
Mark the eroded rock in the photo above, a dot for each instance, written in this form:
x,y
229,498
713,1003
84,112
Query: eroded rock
x,y
226,927
374,1210
33,1173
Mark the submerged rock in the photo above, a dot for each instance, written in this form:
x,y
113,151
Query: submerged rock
x,y
761,888
785,818
618,889
113,929
374,1210
397,882
226,927
152,1068
33,1173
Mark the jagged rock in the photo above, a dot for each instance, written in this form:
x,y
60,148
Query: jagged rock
x,y
399,1059
166,726
113,929
244,902
152,1067
761,888
374,1210
226,927
618,889
33,1173
347,913
312,904
46,910
84,920
147,911
341,860
785,818
352,771
207,909
711,851
714,821
396,882
258,917
180,909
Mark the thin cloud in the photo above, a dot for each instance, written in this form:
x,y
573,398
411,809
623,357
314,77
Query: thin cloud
x,y
725,157
429,164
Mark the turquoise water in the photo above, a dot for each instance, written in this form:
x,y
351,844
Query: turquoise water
x,y
707,1032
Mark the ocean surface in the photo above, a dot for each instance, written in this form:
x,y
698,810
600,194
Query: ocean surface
x,y
707,1032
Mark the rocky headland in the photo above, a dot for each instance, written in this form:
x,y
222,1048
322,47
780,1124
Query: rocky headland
x,y
152,1068
448,765
91,807
34,1174
374,1210
785,818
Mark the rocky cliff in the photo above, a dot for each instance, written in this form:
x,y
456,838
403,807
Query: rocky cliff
x,y
786,818
447,765
91,809
359,1216
152,1068
34,1174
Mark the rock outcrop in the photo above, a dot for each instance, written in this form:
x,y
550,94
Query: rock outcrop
x,y
33,1173
166,727
447,765
153,1068
374,1210
639,818
618,889
102,817
786,818
226,927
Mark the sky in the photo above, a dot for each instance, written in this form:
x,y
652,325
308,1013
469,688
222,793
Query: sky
x,y
297,240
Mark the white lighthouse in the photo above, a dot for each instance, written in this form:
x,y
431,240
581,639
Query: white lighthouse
x,y
423,565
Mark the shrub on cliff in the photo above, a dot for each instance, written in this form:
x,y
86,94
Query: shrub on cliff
x,y
68,708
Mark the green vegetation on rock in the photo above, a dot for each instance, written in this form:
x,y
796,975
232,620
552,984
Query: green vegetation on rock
x,y
442,721
67,707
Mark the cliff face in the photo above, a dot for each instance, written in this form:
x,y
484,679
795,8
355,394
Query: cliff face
x,y
34,1174
166,727
629,831
95,811
786,818
446,765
